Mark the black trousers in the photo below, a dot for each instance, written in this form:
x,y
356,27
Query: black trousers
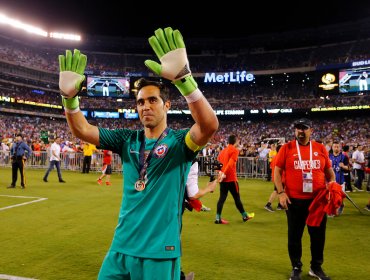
x,y
360,176
347,180
269,172
296,215
86,164
18,164
233,188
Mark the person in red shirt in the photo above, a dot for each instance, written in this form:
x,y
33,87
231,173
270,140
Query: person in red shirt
x,y
229,181
307,170
36,148
107,168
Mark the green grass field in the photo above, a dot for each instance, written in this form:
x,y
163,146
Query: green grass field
x,y
67,235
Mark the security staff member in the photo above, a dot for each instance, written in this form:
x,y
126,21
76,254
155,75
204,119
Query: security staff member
x,y
19,153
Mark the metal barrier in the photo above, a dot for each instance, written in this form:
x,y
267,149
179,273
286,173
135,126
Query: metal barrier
x,y
247,167
69,161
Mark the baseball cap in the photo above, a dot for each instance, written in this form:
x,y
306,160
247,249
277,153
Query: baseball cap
x,y
303,122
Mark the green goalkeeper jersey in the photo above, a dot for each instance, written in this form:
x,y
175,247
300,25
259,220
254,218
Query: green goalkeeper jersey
x,y
149,223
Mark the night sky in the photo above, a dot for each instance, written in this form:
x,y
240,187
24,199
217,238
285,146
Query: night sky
x,y
136,19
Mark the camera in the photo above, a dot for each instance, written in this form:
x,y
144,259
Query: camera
x,y
212,165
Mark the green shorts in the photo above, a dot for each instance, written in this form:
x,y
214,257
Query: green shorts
x,y
117,266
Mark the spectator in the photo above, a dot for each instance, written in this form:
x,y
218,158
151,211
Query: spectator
x,y
88,150
54,160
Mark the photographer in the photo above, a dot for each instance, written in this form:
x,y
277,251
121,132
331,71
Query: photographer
x,y
19,153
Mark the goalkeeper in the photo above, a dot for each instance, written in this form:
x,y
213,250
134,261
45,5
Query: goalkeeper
x,y
146,243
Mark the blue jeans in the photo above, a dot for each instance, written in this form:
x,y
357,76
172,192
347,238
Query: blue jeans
x,y
53,163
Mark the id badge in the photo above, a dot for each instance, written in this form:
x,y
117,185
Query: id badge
x,y
307,182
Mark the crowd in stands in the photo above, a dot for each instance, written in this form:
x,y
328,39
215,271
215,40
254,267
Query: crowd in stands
x,y
348,131
292,49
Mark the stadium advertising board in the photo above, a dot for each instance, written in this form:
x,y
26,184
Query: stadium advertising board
x,y
129,114
345,78
105,115
327,82
228,77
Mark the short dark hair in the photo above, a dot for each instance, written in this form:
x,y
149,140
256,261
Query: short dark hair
x,y
164,91
345,148
19,134
232,139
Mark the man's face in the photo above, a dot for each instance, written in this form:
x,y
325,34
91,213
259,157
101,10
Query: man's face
x,y
150,106
303,132
336,148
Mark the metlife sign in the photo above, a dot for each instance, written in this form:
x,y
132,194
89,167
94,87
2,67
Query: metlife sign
x,y
229,77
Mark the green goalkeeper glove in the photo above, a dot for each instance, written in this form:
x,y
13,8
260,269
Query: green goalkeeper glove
x,y
169,47
71,76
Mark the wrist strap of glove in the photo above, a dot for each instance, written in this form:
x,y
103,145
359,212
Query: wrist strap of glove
x,y
194,96
71,104
186,85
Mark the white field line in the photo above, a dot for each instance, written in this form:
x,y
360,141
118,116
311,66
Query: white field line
x,y
11,277
37,199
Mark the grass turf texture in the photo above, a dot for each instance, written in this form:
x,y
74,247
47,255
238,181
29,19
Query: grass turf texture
x,y
67,235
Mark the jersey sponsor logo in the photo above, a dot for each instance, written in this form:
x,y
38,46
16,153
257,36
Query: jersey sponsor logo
x,y
161,151
306,164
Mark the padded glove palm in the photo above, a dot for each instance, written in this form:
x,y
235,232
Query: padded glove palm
x,y
169,47
71,76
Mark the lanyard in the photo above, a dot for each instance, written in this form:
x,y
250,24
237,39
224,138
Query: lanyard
x,y
300,158
144,164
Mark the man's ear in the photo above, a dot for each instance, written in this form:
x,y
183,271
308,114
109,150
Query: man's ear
x,y
167,105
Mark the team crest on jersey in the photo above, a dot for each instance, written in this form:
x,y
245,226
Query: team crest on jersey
x,y
316,154
161,151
